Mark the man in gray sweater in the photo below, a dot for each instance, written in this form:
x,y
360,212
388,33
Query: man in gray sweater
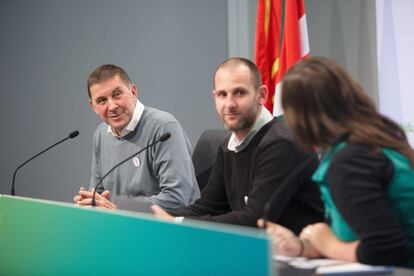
x,y
163,174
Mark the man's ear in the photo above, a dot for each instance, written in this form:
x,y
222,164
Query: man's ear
x,y
263,92
92,106
213,94
134,90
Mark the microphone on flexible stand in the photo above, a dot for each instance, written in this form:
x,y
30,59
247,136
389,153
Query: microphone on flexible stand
x,y
162,138
71,135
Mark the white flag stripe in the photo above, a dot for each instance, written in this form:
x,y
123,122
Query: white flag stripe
x,y
277,106
304,38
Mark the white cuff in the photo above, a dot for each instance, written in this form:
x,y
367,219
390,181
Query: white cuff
x,y
178,220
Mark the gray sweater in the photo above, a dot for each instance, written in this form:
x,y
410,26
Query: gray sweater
x,y
163,174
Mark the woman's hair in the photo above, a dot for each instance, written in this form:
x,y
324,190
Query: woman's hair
x,y
322,103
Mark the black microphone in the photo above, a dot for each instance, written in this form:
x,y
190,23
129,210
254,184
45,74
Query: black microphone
x,y
71,135
162,138
303,168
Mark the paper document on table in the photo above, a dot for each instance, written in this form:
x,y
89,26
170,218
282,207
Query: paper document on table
x,y
304,263
354,268
334,267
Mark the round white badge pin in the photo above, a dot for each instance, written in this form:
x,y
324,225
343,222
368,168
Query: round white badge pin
x,y
136,161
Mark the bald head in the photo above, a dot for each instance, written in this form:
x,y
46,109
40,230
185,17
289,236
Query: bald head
x,y
236,62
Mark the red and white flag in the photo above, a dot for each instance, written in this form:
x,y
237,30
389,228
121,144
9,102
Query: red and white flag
x,y
281,41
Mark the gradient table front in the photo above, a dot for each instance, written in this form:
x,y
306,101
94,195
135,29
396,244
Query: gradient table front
x,y
39,237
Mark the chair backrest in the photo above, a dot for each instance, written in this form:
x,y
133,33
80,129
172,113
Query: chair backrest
x,y
205,153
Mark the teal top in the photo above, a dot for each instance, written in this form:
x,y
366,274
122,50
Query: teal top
x,y
400,191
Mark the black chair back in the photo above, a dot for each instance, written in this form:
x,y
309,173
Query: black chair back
x,y
205,153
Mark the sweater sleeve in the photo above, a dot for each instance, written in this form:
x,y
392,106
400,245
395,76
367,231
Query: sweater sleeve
x,y
358,178
213,200
173,168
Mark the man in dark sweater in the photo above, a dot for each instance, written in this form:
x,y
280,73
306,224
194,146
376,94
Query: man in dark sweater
x,y
253,161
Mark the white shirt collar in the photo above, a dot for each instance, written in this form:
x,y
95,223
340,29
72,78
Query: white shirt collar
x,y
139,109
236,145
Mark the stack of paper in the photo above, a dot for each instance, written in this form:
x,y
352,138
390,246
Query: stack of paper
x,y
334,267
354,268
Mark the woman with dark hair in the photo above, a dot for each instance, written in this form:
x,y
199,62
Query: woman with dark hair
x,y
366,176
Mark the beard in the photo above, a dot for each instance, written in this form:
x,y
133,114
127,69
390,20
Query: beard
x,y
246,121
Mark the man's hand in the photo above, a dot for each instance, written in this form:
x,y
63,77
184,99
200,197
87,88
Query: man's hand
x,y
79,197
84,198
284,241
161,214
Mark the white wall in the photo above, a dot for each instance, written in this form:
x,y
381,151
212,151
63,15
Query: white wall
x,y
395,60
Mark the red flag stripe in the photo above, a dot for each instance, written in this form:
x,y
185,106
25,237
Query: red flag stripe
x,y
281,40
